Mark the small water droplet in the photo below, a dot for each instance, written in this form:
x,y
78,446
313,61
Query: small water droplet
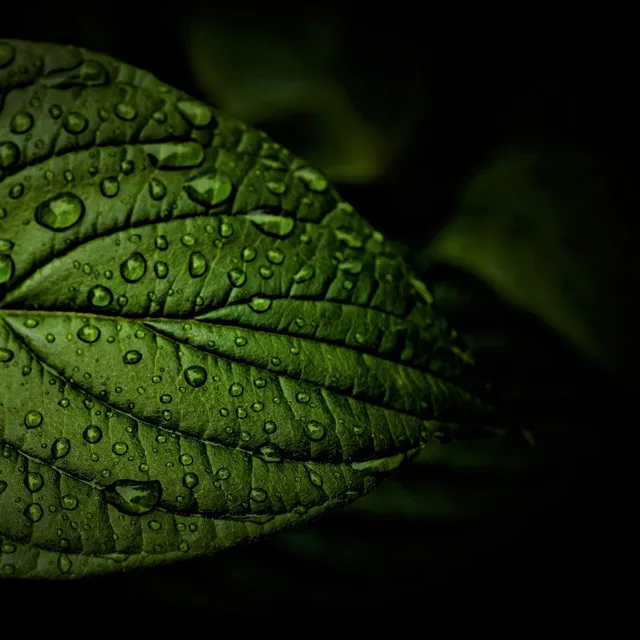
x,y
258,495
237,277
353,267
9,155
125,111
110,187
249,254
75,123
161,269
190,480
6,355
302,396
120,448
226,229
132,357
236,389
7,268
270,427
223,473
68,502
21,122
314,477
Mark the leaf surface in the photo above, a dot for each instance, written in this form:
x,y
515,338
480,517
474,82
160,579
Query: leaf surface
x,y
200,342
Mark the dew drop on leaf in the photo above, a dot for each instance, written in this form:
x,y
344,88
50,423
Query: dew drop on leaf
x,y
272,225
120,448
60,447
195,376
197,113
61,212
249,254
260,304
75,123
306,273
68,502
92,434
33,481
9,155
210,189
33,512
190,480
197,265
157,190
21,122
133,268
314,429
175,155
6,355
258,495
161,269
110,187
33,419
133,497
132,357
312,178
237,277
100,296
7,268
236,390
89,333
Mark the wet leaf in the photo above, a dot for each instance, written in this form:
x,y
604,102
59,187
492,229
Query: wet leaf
x,y
188,358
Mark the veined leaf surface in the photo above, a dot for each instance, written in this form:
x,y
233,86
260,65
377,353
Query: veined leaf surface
x,y
200,342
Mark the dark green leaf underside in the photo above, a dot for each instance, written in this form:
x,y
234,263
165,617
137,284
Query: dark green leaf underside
x,y
200,342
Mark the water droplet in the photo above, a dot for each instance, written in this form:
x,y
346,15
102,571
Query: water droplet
x,y
75,123
240,341
265,272
226,229
314,430
275,256
380,465
7,54
60,447
3,487
33,512
6,355
100,296
125,111
272,225
236,389
127,167
64,563
353,267
9,155
109,187
276,187
21,122
258,495
32,419
196,376
120,448
7,268
132,357
270,427
249,254
302,396
188,240
5,245
166,414
89,333
306,273
260,304
161,269
237,277
157,189
68,502
33,481
270,453
61,212
134,267
314,477
89,74
166,398
223,473
190,480
312,178
197,113
210,189
260,383
349,238
175,155
92,434
198,265
133,497
185,459
162,244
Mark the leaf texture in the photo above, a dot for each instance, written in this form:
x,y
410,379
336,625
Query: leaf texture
x,y
200,341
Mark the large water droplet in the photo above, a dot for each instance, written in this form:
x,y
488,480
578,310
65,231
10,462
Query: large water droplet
x,y
260,304
198,265
197,113
132,357
92,434
89,74
175,155
314,430
7,268
312,178
60,212
33,481
21,122
32,419
75,123
196,376
9,155
60,447
89,333
100,296
306,273
236,389
6,355
190,480
272,225
134,497
157,189
33,512
210,189
110,187
271,453
258,495
134,267
237,277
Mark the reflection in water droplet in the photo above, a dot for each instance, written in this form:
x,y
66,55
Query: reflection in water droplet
x,y
272,225
133,497
60,447
198,265
197,113
100,296
260,304
237,277
210,189
89,333
32,419
134,267
132,357
306,273
61,212
92,434
196,376
7,268
175,155
314,430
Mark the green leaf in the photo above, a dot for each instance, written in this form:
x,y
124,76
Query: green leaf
x,y
190,357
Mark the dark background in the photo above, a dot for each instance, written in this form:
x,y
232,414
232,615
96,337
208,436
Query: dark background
x,y
538,528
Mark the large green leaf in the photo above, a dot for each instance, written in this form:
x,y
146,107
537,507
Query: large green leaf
x,y
200,342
